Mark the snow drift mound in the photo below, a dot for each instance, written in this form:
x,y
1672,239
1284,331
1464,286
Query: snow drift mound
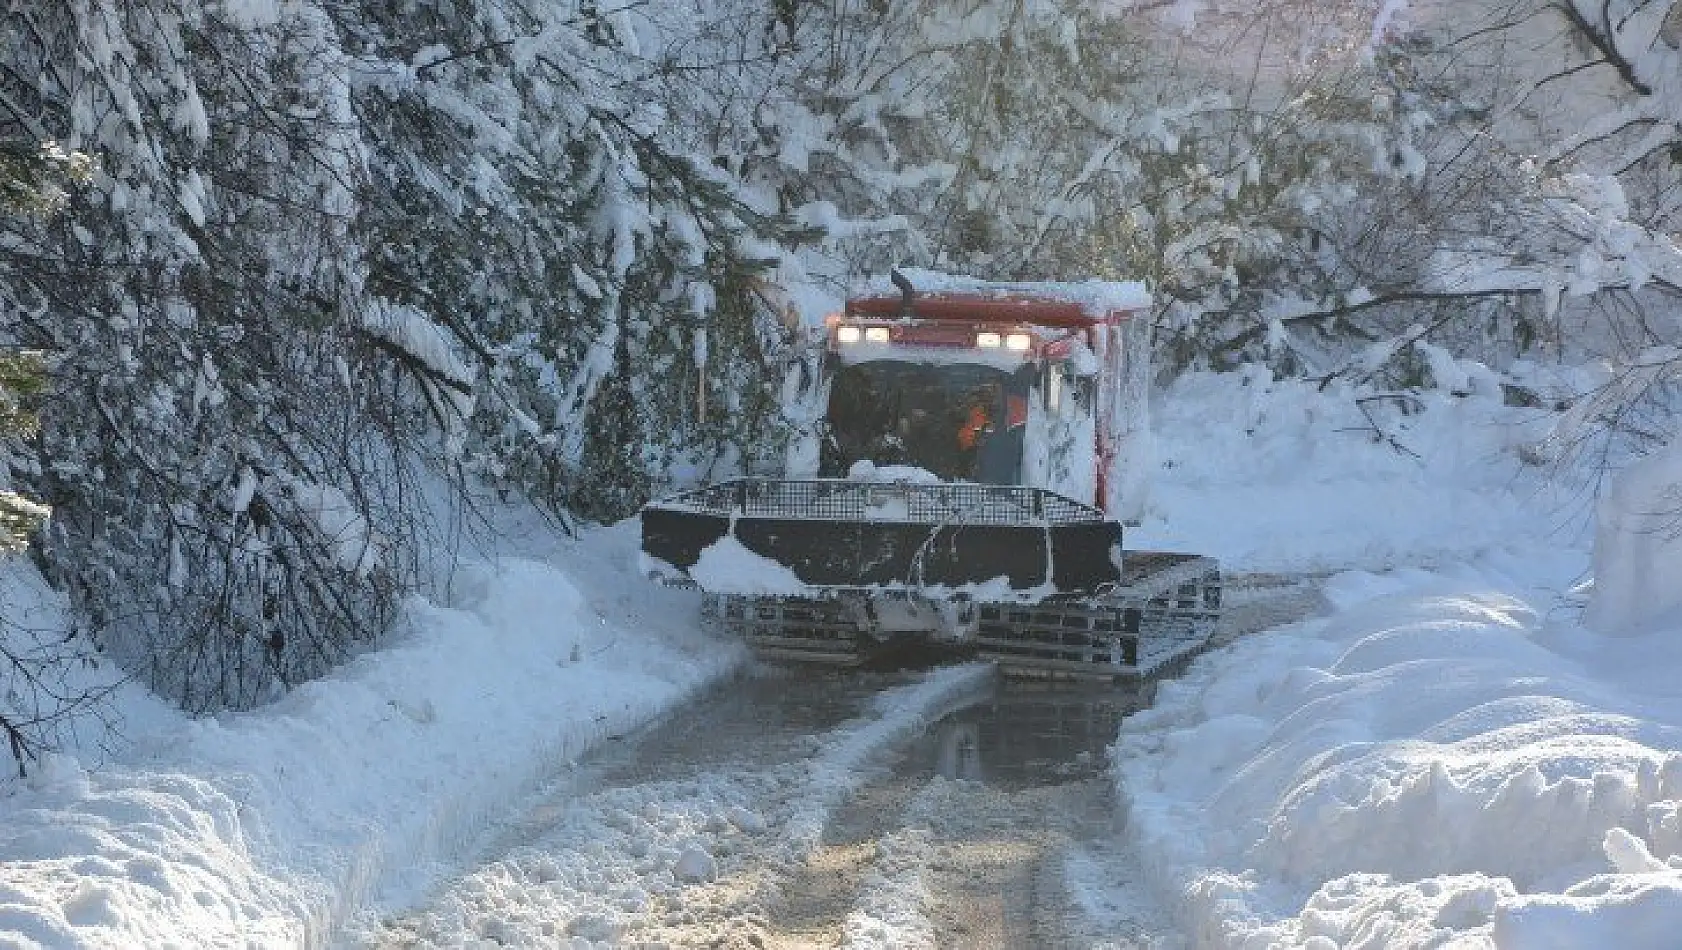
x,y
1638,545
1436,764
1278,475
273,827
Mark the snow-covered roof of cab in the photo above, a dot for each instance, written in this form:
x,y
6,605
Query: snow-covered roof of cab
x,y
955,297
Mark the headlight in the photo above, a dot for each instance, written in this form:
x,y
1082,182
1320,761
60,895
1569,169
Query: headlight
x,y
990,340
876,335
847,334
1018,342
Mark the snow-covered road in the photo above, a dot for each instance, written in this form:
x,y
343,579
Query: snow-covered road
x,y
684,833
802,808
792,809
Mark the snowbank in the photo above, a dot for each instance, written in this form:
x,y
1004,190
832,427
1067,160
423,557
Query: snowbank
x,y
1448,758
1279,476
1638,546
269,828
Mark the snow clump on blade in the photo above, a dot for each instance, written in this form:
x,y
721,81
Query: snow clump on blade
x,y
728,567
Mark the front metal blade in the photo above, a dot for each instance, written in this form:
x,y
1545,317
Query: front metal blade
x,y
833,533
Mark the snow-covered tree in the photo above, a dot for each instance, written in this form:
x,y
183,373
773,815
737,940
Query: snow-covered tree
x,y
535,199
329,244
35,177
1574,210
205,445
39,698
1242,167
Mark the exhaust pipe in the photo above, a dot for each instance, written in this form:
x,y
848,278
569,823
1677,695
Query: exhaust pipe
x,y
907,293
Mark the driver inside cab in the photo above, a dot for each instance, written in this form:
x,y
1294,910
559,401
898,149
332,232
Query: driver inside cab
x,y
975,425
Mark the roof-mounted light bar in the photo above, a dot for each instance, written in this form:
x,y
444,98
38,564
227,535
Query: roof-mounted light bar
x,y
852,334
1016,342
847,333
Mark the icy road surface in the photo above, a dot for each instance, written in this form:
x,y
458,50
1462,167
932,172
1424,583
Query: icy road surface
x,y
808,808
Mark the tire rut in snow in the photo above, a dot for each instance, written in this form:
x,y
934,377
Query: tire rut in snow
x,y
812,908
1012,838
687,834
1008,790
1033,867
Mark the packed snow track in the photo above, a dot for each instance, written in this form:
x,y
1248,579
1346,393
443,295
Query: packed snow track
x,y
813,808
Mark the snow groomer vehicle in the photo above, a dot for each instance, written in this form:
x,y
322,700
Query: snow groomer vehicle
x,y
973,451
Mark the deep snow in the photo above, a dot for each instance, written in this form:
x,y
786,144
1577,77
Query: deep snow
x,y
1451,755
1451,758
1279,476
270,828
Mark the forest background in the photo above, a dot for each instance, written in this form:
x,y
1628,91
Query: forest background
x,y
285,285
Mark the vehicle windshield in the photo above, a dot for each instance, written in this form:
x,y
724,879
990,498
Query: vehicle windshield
x,y
961,421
